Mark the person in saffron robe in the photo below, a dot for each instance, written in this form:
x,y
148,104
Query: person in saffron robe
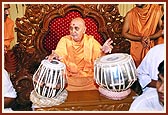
x,y
78,51
9,58
8,27
9,91
142,25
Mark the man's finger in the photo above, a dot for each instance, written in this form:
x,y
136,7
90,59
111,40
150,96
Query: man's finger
x,y
110,42
107,40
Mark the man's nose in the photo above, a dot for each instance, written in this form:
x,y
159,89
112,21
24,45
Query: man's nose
x,y
73,30
161,88
7,11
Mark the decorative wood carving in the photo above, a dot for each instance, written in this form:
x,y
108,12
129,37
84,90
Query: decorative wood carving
x,y
33,26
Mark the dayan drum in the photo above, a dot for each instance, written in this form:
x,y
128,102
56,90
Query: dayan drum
x,y
49,83
115,73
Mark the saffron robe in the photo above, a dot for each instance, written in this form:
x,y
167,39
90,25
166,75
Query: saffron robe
x,y
143,22
160,40
8,32
79,60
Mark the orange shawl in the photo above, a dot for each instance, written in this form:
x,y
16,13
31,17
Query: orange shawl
x,y
143,22
79,59
8,32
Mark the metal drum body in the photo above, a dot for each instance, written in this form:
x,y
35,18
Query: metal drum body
x,y
49,84
115,73
49,79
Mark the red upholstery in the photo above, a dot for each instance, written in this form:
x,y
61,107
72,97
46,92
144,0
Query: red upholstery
x,y
59,27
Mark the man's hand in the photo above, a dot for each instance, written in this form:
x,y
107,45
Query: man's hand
x,y
107,47
52,56
145,42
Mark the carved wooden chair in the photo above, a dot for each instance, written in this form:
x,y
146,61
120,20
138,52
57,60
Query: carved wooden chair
x,y
42,26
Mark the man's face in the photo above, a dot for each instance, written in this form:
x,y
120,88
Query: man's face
x,y
6,11
77,29
160,88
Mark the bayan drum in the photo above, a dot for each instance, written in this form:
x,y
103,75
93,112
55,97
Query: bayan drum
x,y
115,73
49,84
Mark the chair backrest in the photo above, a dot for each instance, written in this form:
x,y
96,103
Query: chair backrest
x,y
59,27
42,26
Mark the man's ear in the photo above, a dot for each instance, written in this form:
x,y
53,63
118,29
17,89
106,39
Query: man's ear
x,y
84,29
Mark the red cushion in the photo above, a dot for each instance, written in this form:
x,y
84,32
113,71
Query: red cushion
x,y
59,27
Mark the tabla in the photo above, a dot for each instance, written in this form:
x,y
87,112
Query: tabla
x,y
49,82
115,73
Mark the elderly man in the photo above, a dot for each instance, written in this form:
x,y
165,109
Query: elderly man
x,y
78,51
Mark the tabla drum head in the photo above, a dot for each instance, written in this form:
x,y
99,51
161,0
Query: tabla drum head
x,y
113,59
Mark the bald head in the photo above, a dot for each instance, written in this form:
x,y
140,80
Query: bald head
x,y
79,20
77,29
6,6
6,11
